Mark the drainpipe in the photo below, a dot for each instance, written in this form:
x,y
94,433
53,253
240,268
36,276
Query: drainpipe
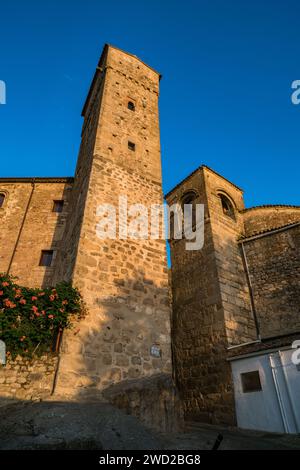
x,y
57,350
252,304
21,227
253,310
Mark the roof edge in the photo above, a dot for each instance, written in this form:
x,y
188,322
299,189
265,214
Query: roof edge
x,y
135,56
268,231
103,53
195,171
270,206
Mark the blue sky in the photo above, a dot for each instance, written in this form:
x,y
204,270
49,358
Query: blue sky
x,y
227,70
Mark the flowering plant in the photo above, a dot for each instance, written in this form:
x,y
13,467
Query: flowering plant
x,y
31,318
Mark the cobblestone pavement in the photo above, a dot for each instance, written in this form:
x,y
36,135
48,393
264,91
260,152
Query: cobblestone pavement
x,y
203,437
69,425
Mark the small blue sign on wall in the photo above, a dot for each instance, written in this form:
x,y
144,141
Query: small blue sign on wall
x,y
2,352
155,351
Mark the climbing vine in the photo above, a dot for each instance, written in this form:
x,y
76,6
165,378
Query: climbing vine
x,y
31,318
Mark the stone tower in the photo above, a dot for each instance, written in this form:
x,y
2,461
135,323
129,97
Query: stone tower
x,y
206,321
124,282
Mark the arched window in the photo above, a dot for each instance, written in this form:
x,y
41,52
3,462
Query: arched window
x,y
188,205
227,206
131,105
188,198
2,199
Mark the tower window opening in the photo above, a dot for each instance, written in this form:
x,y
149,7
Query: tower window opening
x,y
227,206
58,206
131,146
46,258
2,199
131,105
189,200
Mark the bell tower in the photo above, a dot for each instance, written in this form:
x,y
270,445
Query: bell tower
x,y
124,282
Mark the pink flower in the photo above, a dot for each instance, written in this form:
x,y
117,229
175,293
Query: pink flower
x,y
5,284
33,298
51,317
34,308
51,297
1,292
22,301
64,302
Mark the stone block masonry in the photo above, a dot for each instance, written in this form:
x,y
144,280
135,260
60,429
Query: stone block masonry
x,y
124,282
199,332
29,225
274,268
27,379
238,288
226,298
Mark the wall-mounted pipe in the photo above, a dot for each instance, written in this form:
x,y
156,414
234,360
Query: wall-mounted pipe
x,y
252,303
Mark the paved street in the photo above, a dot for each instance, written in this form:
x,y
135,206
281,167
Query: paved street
x,y
69,425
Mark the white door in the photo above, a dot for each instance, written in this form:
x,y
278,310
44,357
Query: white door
x,y
267,390
292,377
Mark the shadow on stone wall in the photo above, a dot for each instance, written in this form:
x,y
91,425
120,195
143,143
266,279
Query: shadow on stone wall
x,y
58,235
106,356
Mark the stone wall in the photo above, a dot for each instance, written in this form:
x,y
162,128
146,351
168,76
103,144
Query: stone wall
x,y
27,379
29,225
274,267
153,400
231,276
